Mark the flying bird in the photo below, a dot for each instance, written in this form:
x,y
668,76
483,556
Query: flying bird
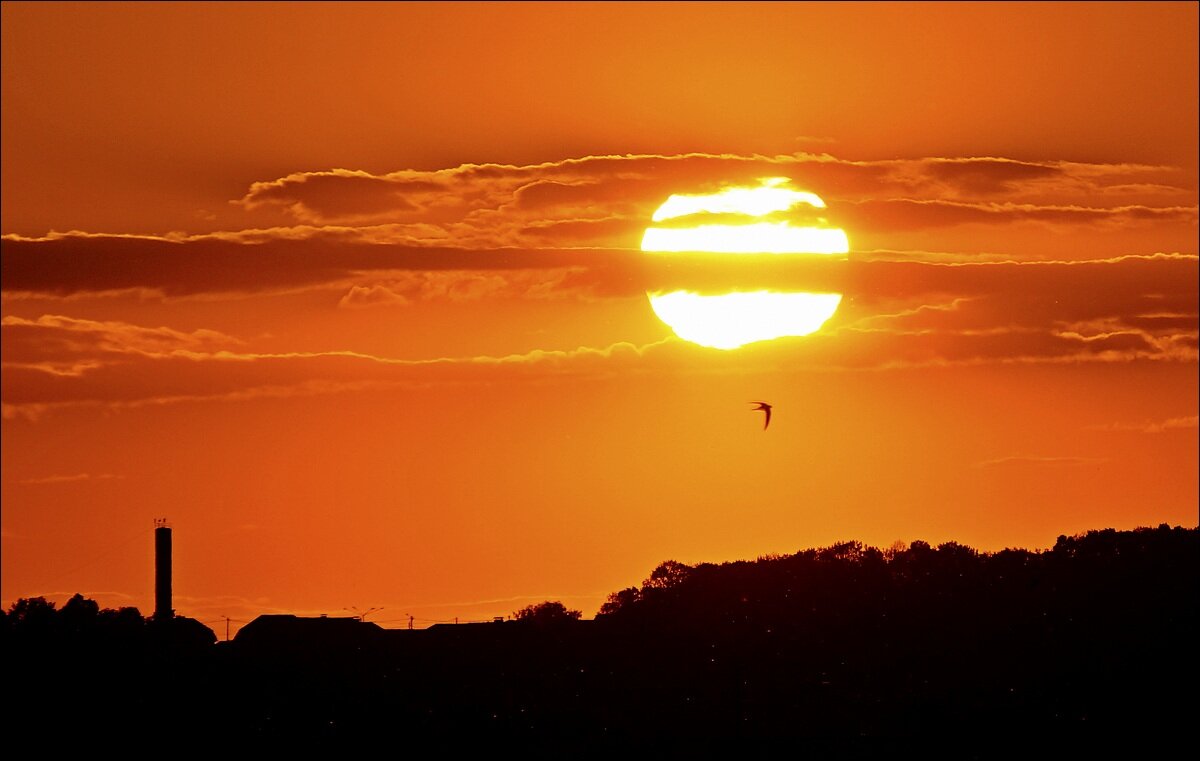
x,y
765,408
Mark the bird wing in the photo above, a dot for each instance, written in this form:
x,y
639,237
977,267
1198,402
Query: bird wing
x,y
765,408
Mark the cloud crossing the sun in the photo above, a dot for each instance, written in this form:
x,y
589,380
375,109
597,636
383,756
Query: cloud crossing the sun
x,y
394,243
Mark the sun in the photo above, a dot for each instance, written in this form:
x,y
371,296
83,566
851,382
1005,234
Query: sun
x,y
769,218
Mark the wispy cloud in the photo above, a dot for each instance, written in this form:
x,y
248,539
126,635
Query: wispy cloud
x,y
332,224
1039,461
76,478
625,184
1170,424
896,314
186,376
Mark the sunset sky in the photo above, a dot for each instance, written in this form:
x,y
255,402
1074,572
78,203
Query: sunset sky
x,y
354,295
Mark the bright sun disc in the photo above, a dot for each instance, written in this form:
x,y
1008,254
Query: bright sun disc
x,y
731,320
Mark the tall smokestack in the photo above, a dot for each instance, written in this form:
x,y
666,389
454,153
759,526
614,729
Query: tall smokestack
x,y
162,571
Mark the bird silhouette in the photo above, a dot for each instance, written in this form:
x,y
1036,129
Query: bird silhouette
x,y
765,408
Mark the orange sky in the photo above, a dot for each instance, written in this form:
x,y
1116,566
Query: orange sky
x,y
352,294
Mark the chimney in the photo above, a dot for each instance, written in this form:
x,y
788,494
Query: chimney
x,y
162,571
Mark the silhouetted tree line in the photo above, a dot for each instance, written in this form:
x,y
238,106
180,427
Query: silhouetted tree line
x,y
80,673
831,650
548,612
36,624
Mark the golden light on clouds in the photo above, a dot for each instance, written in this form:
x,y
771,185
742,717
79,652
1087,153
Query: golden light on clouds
x,y
732,320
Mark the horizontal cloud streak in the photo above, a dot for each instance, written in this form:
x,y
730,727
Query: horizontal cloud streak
x,y
72,264
569,230
1052,462
69,264
1181,423
630,183
333,226
77,478
608,201
905,214
115,364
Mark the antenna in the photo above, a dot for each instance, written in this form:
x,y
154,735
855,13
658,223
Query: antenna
x,y
361,615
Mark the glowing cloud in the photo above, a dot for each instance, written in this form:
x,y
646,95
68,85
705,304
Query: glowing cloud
x,y
758,201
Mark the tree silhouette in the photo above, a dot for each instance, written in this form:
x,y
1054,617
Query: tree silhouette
x,y
618,601
670,573
79,616
547,612
33,618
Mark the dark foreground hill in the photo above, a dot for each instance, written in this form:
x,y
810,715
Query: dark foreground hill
x,y
846,649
